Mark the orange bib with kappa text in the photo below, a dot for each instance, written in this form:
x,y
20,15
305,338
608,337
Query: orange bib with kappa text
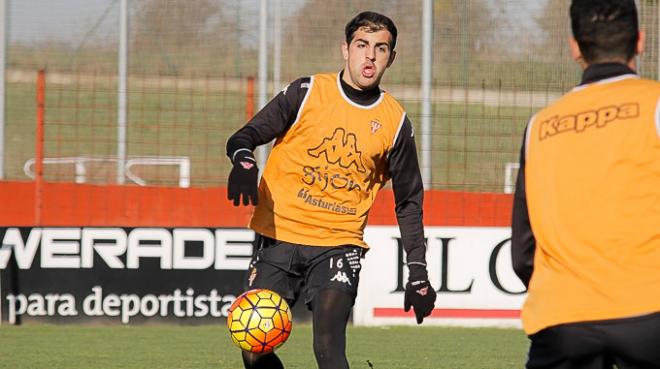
x,y
593,192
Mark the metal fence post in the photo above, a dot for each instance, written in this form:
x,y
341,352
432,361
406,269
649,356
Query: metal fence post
x,y
121,90
427,80
262,151
4,18
277,46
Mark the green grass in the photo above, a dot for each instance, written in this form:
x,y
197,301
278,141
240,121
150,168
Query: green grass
x,y
199,347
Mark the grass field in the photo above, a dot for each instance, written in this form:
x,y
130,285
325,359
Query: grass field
x,y
201,347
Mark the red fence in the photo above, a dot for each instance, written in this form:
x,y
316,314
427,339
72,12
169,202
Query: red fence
x,y
68,204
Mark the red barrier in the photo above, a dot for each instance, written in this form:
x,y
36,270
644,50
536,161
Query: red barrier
x,y
69,204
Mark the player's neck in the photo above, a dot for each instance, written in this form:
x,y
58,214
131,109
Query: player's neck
x,y
362,97
597,72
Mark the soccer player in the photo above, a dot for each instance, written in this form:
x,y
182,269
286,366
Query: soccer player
x,y
586,218
339,139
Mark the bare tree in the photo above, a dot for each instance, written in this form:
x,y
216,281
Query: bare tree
x,y
555,24
314,33
174,23
168,34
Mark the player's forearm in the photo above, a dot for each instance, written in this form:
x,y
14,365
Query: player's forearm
x,y
240,141
414,244
409,214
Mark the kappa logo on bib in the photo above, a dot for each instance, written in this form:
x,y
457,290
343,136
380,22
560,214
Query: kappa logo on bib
x,y
340,148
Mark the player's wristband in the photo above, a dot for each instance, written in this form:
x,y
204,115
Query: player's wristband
x,y
242,153
417,271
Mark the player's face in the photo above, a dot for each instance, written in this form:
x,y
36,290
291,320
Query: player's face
x,y
367,57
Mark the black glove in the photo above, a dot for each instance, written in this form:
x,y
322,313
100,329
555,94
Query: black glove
x,y
243,179
419,295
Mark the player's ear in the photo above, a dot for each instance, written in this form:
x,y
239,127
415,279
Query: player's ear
x,y
639,48
344,50
392,56
576,53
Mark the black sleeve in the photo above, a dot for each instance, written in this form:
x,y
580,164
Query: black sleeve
x,y
408,189
272,121
523,243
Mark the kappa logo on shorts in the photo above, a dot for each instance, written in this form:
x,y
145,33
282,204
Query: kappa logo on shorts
x,y
341,277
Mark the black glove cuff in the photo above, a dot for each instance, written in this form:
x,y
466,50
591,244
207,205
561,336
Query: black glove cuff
x,y
417,272
243,154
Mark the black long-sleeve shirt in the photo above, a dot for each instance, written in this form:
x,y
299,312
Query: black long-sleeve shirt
x,y
280,113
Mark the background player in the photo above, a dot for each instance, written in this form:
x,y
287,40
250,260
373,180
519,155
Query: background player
x,y
586,219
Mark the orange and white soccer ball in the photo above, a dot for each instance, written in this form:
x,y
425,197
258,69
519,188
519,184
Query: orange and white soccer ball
x,y
259,321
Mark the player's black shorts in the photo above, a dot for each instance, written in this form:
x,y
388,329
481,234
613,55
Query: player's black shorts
x,y
294,270
631,343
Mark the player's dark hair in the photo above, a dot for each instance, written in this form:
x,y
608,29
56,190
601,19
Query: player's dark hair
x,y
373,22
605,30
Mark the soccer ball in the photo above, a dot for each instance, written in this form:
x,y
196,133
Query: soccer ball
x,y
259,321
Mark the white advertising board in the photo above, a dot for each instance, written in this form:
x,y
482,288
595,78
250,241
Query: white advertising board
x,y
469,267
